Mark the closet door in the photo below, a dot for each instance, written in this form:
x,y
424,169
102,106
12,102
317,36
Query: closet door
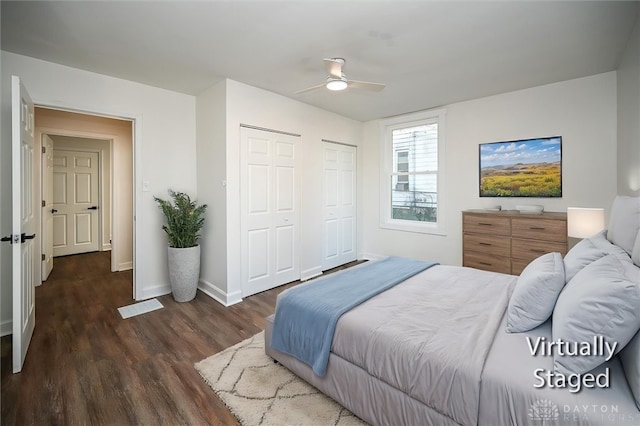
x,y
339,204
270,210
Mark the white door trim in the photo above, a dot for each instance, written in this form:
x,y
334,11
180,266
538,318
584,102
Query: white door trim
x,y
137,141
46,213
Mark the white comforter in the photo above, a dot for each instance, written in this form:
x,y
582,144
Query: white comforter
x,y
429,336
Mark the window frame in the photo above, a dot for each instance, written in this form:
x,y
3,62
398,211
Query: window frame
x,y
387,158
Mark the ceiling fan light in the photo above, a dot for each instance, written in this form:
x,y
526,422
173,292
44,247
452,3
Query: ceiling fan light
x,y
336,84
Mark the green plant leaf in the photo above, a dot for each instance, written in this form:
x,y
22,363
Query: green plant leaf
x,y
184,219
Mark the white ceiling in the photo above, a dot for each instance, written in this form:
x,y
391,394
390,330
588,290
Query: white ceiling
x,y
428,53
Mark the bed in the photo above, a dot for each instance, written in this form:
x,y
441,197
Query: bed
x,y
434,349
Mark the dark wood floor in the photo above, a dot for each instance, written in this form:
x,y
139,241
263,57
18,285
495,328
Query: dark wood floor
x,y
86,365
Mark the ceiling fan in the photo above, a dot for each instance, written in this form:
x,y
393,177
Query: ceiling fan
x,y
337,80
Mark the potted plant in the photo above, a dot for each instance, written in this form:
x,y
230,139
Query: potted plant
x,y
184,221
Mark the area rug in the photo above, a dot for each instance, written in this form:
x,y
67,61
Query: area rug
x,y
261,392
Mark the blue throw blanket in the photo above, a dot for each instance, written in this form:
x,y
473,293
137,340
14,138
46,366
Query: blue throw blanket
x,y
306,316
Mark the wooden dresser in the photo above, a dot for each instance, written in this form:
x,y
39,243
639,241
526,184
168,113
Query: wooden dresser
x,y
506,241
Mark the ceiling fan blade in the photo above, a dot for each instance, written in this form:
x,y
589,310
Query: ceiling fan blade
x,y
366,85
308,89
334,67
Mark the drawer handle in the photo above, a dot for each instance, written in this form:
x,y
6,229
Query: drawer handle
x,y
537,251
485,244
485,263
537,228
485,224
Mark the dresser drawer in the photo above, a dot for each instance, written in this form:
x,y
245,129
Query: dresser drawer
x,y
488,244
486,224
539,229
527,250
487,262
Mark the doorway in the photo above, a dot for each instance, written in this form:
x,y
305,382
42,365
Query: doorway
x,y
102,196
338,204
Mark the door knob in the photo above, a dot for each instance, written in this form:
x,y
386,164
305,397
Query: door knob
x,y
92,208
24,237
54,211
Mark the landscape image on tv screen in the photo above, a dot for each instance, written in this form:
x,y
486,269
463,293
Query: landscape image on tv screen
x,y
521,168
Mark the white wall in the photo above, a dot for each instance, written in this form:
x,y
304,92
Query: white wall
x,y
582,111
165,139
212,169
249,105
629,116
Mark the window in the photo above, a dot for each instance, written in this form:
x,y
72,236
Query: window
x,y
412,159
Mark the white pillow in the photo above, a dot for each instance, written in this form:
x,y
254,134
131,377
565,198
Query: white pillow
x,y
603,299
624,222
587,251
535,293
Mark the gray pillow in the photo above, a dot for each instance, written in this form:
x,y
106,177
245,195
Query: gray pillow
x,y
630,358
601,300
587,251
535,293
635,255
624,222
630,355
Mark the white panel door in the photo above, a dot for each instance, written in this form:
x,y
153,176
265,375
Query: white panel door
x,y
75,199
270,212
47,206
23,223
339,204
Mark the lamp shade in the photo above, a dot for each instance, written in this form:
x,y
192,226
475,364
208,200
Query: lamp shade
x,y
584,222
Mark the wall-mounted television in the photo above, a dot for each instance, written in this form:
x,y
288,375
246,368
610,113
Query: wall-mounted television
x,y
521,168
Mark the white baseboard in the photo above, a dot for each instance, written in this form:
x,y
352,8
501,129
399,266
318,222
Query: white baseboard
x,y
307,274
106,247
6,327
219,295
124,266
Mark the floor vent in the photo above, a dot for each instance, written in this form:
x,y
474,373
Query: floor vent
x,y
139,308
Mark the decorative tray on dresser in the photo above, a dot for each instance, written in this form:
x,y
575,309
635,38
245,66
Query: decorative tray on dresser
x,y
506,241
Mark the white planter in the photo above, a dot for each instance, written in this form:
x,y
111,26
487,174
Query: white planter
x,y
184,272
